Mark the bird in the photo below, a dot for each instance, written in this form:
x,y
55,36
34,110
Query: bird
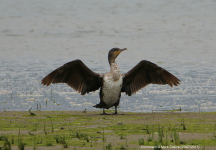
x,y
84,111
83,80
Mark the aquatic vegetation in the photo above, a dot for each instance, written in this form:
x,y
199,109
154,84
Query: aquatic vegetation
x,y
141,141
31,113
45,132
103,136
176,137
35,127
160,135
122,147
109,146
63,141
52,126
182,124
6,145
20,144
122,136
48,144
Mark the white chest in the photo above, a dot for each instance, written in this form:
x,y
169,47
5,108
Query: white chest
x,y
111,90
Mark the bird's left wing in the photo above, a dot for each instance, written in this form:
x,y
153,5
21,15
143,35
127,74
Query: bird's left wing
x,y
77,75
144,73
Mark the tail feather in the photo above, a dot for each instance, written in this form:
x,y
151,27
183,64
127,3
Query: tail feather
x,y
98,106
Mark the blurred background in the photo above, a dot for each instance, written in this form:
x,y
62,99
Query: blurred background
x,y
37,37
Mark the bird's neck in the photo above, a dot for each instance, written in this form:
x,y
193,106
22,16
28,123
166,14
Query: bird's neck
x,y
115,71
114,67
111,60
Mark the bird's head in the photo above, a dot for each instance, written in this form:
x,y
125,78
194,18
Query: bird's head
x,y
113,53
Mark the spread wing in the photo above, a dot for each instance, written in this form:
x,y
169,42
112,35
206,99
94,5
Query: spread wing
x,y
144,73
77,75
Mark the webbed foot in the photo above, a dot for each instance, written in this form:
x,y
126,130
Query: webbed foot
x,y
104,114
117,114
116,111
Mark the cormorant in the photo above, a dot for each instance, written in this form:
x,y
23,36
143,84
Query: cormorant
x,y
79,77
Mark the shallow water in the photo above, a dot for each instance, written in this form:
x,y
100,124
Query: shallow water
x,y
36,37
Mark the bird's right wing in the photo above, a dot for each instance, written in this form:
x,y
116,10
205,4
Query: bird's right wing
x,y
77,75
144,73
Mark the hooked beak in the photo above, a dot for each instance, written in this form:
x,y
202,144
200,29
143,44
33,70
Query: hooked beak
x,y
121,50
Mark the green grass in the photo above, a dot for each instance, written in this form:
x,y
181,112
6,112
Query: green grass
x,y
76,129
203,142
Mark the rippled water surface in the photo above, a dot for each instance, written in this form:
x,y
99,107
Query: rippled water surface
x,y
36,37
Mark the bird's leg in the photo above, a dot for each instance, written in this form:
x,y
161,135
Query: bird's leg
x,y
115,110
104,112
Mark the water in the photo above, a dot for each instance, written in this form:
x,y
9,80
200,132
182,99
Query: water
x,y
36,37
